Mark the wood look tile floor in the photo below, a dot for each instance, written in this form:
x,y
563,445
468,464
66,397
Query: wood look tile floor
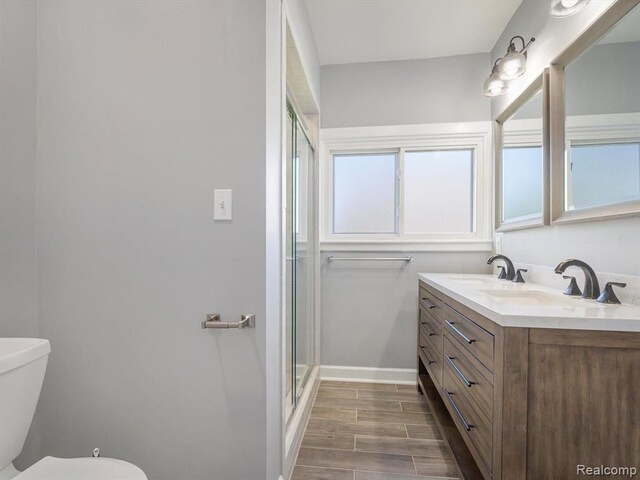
x,y
372,431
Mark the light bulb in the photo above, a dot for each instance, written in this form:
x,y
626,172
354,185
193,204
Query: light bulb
x,y
512,65
511,71
494,85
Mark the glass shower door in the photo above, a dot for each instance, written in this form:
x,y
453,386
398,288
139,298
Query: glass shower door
x,y
304,334
299,240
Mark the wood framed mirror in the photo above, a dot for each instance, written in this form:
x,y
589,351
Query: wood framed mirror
x,y
521,139
595,120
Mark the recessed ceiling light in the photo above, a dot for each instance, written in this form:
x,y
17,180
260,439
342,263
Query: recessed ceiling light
x,y
565,8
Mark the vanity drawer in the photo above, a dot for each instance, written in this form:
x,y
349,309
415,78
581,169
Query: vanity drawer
x,y
479,388
432,329
432,359
435,337
470,336
427,316
435,340
474,427
429,302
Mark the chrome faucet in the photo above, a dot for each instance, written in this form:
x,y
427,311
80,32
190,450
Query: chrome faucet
x,y
511,271
591,286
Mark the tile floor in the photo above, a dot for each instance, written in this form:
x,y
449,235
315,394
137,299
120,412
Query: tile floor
x,y
372,431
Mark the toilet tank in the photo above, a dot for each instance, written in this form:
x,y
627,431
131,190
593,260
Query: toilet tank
x,y
23,362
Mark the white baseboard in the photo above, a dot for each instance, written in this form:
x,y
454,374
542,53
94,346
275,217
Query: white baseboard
x,y
403,376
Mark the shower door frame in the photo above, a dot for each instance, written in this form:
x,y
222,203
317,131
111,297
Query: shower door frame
x,y
291,401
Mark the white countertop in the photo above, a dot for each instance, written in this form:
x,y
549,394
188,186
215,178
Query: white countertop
x,y
532,306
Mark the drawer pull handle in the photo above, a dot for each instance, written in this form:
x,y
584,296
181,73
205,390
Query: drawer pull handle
x,y
460,374
429,334
467,426
425,356
464,337
424,325
428,305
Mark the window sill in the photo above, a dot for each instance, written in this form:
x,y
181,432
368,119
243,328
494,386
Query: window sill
x,y
406,246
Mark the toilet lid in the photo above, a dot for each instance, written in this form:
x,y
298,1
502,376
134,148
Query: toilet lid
x,y
51,468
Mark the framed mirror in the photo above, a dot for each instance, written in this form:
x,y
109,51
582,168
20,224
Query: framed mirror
x,y
522,160
595,120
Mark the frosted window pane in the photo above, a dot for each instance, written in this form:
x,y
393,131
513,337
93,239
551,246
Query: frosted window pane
x,y
521,182
364,193
605,174
438,192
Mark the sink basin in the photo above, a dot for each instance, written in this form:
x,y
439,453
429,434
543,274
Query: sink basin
x,y
526,297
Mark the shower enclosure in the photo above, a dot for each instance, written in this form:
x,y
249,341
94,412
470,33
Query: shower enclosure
x,y
300,249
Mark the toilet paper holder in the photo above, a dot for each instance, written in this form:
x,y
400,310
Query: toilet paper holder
x,y
214,320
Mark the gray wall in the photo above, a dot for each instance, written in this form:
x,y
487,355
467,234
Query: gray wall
x,y
369,310
405,92
609,246
144,108
611,70
18,279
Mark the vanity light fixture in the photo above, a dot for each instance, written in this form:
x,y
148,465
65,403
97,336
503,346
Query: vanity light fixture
x,y
514,63
565,8
494,85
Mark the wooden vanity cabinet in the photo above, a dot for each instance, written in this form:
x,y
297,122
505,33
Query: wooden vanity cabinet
x,y
528,403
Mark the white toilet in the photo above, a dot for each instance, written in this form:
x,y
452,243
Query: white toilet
x,y
23,362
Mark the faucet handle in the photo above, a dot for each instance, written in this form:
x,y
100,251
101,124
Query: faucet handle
x,y
573,288
518,278
503,273
608,295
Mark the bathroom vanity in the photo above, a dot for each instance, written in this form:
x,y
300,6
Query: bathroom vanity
x,y
527,383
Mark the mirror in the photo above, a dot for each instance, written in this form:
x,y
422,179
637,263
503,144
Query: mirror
x,y
597,159
521,162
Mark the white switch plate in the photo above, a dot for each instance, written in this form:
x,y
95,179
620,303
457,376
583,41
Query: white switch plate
x,y
222,203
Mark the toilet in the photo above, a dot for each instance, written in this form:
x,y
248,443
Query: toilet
x,y
23,362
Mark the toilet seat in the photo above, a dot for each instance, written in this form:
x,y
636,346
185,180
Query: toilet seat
x,y
52,468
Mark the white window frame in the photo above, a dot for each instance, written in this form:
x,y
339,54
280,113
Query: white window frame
x,y
475,136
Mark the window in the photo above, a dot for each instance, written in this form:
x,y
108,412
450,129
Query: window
x,y
602,174
364,193
392,187
521,182
438,192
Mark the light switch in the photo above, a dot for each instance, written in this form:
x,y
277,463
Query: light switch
x,y
222,204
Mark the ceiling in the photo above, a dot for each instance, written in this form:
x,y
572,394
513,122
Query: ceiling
x,y
355,31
